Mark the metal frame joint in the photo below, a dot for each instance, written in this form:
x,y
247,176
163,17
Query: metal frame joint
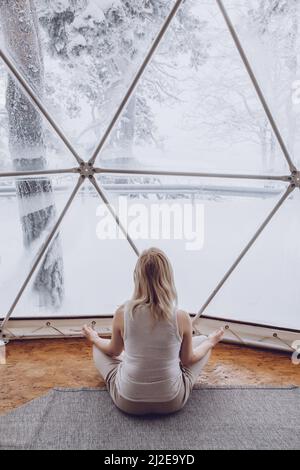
x,y
295,179
87,170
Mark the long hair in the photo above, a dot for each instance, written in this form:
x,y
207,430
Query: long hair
x,y
154,285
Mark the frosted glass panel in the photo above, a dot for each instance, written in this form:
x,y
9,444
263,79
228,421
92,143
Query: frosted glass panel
x,y
28,211
202,225
265,287
97,273
90,51
196,107
269,32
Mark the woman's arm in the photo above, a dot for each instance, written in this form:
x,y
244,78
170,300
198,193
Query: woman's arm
x,y
188,355
116,345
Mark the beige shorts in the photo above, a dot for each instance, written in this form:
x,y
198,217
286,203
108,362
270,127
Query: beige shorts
x,y
108,367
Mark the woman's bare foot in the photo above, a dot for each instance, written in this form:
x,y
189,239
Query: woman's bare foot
x,y
90,334
216,337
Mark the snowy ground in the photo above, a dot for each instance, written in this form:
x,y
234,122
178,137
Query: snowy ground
x,y
98,273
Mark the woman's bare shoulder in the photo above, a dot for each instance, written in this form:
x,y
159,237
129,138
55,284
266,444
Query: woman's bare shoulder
x,y
119,314
183,322
120,310
118,320
183,315
183,319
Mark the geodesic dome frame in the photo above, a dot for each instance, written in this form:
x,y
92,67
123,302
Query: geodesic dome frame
x,y
88,170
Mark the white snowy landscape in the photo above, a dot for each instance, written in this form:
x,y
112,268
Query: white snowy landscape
x,y
195,109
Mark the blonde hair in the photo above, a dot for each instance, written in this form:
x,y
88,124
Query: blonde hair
x,y
154,285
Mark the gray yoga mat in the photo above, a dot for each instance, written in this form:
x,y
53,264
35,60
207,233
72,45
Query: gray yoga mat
x,y
214,418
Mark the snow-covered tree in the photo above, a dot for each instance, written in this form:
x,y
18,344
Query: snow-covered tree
x,y
27,149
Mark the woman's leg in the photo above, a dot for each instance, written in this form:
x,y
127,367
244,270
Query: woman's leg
x,y
197,368
108,368
191,374
105,364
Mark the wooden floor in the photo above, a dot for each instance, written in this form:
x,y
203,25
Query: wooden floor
x,y
35,367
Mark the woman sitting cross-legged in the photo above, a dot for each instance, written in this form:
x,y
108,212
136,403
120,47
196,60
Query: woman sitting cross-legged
x,y
161,360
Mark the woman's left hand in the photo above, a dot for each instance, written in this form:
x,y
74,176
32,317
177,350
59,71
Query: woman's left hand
x,y
90,334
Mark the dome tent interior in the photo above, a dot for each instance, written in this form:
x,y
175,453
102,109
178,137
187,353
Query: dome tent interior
x,y
192,105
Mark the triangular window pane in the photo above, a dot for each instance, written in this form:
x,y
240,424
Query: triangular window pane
x,y
29,209
97,272
264,289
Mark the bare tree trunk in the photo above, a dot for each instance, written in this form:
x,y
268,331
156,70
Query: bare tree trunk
x,y
26,140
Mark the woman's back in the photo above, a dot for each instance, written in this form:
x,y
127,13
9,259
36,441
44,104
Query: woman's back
x,y
150,371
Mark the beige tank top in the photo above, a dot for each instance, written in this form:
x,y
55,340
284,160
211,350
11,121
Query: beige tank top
x,y
150,371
